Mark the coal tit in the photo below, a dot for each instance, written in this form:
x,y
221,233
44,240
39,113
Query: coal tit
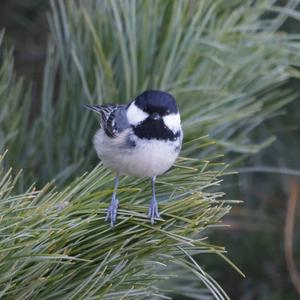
x,y
142,138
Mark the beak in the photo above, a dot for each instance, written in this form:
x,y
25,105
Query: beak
x,y
155,116
94,108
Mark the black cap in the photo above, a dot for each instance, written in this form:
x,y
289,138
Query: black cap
x,y
156,102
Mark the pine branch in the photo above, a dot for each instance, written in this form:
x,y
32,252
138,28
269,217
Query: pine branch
x,y
56,244
226,63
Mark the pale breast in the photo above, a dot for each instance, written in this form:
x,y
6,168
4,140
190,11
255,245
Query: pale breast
x,y
137,157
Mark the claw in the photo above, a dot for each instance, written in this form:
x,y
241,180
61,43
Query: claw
x,y
153,208
153,211
112,212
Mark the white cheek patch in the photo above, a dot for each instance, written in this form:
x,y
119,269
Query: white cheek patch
x,y
135,115
172,121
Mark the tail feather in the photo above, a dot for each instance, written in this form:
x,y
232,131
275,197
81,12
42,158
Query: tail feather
x,y
107,117
95,108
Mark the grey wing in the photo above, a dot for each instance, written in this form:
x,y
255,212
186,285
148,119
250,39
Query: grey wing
x,y
108,121
113,118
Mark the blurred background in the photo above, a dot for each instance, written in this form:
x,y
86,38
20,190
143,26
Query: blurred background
x,y
264,237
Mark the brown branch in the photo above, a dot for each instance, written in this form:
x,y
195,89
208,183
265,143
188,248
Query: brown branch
x,y
288,235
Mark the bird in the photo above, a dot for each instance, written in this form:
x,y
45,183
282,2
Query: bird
x,y
142,138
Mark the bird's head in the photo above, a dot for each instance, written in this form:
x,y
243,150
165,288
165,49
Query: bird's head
x,y
153,114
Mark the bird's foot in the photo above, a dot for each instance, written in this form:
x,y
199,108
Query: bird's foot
x,y
153,211
112,211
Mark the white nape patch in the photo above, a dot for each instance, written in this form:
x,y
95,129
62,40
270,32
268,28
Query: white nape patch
x,y
135,115
172,121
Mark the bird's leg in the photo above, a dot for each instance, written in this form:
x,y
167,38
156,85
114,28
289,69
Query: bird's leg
x,y
153,208
113,207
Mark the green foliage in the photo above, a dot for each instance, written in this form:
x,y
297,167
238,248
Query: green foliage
x,y
226,63
15,106
55,244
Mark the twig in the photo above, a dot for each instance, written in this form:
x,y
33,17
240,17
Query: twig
x,y
288,235
267,169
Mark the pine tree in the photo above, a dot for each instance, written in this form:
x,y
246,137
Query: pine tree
x,y
226,62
